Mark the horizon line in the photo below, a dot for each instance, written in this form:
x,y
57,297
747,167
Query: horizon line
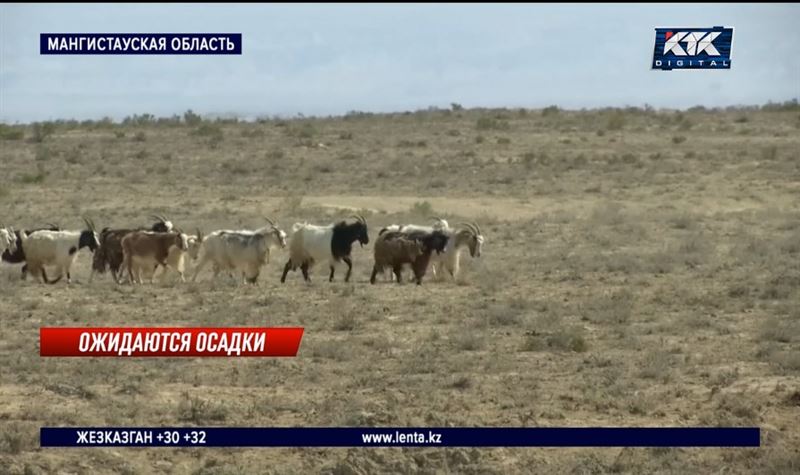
x,y
453,107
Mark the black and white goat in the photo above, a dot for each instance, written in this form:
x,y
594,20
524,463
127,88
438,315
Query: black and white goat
x,y
332,244
57,248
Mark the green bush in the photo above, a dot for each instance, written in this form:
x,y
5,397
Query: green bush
x,y
190,118
423,208
8,132
42,130
30,179
550,110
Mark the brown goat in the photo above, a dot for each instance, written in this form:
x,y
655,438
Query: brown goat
x,y
109,254
146,250
394,249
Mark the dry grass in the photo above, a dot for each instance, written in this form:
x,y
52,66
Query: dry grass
x,y
640,269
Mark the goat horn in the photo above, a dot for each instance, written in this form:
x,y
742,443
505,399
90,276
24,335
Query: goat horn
x,y
155,216
480,232
269,221
363,219
469,227
357,217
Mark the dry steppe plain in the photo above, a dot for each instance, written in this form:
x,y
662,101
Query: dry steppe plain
x,y
641,268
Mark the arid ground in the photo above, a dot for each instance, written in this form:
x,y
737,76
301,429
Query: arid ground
x,y
641,268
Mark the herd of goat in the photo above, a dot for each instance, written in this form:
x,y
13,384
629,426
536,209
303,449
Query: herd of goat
x,y
140,252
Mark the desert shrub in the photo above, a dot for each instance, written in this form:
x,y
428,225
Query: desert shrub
x,y
423,208
200,411
36,178
616,121
489,123
43,154
190,118
42,130
550,110
568,338
305,131
412,143
611,308
8,132
211,132
208,130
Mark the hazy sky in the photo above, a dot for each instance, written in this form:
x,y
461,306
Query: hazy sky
x,y
330,59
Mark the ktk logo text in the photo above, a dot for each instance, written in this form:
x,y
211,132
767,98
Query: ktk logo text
x,y
693,48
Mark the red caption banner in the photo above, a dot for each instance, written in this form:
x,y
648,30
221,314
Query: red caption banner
x,y
188,342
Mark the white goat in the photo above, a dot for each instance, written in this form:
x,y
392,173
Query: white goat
x,y
56,248
469,236
8,240
176,257
244,251
440,224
